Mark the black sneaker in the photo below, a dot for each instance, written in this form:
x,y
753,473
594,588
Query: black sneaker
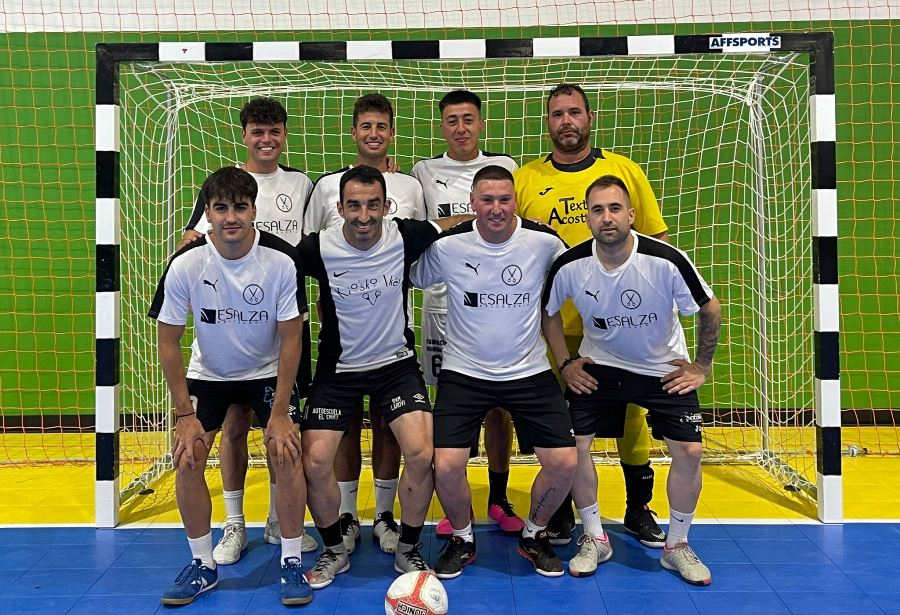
x,y
539,552
639,522
456,554
562,523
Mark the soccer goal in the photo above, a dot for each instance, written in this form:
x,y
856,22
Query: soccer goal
x,y
736,134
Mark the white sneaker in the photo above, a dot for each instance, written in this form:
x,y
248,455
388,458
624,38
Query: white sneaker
x,y
683,560
593,551
231,545
329,564
386,533
350,532
272,535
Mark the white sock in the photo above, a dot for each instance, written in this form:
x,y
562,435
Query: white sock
x,y
590,519
201,548
679,524
273,514
234,506
531,530
290,547
349,489
466,533
385,493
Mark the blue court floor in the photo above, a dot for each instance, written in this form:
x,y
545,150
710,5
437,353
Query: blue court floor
x,y
771,569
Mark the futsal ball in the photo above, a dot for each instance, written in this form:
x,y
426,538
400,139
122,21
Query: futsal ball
x,y
416,593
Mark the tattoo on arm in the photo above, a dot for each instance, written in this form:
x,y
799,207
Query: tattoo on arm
x,y
708,334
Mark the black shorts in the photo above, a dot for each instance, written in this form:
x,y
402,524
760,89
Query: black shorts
x,y
213,398
535,403
602,413
393,390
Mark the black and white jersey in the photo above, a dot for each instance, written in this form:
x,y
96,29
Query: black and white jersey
x,y
363,294
447,184
630,313
493,296
404,195
236,304
280,201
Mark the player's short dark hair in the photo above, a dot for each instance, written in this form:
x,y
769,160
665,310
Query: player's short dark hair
x,y
460,97
492,171
363,174
568,89
263,111
229,183
373,102
606,181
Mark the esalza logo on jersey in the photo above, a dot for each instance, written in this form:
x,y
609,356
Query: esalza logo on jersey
x,y
277,226
223,316
626,321
496,300
452,209
569,211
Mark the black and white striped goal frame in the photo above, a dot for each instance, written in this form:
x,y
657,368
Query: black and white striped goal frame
x,y
818,47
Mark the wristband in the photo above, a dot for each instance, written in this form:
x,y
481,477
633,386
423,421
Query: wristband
x,y
565,363
181,416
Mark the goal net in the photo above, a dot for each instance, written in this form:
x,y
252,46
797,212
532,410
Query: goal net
x,y
723,138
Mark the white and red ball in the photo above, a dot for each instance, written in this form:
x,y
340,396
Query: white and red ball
x,y
416,593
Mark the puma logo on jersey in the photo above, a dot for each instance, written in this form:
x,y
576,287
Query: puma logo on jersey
x,y
443,183
545,190
213,284
473,267
594,295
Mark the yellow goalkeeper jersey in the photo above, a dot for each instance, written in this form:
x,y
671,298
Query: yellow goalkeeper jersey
x,y
553,193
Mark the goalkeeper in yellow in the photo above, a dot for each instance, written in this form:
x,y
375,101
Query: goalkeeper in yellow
x,y
551,189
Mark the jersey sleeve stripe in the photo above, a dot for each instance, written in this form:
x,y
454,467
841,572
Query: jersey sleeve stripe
x,y
582,250
660,249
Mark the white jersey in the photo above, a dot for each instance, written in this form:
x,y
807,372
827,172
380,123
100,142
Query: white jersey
x,y
494,310
237,305
404,195
630,313
279,204
363,294
447,184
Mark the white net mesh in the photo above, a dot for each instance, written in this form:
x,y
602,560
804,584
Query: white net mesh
x,y
723,140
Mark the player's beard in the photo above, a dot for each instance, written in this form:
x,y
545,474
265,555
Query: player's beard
x,y
571,141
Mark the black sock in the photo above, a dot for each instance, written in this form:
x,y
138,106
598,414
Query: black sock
x,y
564,515
497,482
409,535
331,535
638,485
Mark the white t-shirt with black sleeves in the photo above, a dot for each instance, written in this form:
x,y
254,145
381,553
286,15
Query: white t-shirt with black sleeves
x,y
447,184
364,294
630,313
493,293
280,200
404,195
236,304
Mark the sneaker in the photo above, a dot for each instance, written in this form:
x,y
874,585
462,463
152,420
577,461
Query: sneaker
x,y
639,522
232,543
294,587
593,551
410,561
272,535
329,564
349,532
456,554
505,515
386,533
191,582
445,530
561,524
683,560
539,552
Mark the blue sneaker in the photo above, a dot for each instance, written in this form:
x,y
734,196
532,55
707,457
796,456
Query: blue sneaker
x,y
193,581
294,587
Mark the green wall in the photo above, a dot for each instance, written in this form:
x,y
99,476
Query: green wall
x,y
47,189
